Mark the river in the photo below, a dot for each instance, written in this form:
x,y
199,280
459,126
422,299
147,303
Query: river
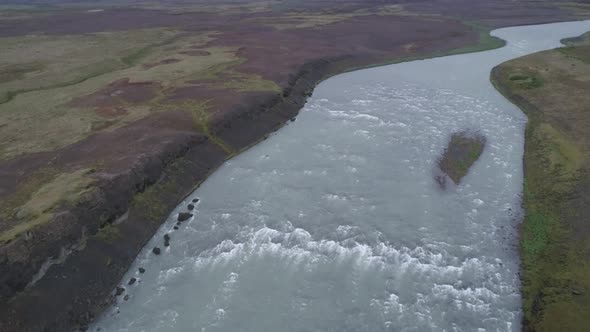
x,y
335,223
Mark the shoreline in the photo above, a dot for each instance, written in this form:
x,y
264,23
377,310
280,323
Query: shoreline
x,y
550,230
552,235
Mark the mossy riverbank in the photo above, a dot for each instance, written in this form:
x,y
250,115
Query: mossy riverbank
x,y
555,233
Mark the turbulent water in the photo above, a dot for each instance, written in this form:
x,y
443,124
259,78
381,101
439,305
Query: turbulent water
x,y
335,223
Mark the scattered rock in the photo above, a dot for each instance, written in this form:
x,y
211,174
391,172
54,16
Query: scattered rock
x,y
576,292
182,216
195,200
119,291
175,227
178,223
166,240
156,250
190,207
126,297
141,270
293,119
132,281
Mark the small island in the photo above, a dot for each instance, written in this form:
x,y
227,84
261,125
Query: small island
x,y
463,150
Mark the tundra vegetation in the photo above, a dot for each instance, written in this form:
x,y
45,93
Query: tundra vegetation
x,y
552,87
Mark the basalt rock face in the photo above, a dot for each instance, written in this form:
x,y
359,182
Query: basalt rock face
x,y
61,285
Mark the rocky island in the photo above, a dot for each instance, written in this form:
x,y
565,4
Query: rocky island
x,y
463,150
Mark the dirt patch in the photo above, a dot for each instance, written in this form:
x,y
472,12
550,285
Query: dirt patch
x,y
463,150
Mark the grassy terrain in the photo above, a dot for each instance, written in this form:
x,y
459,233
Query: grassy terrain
x,y
42,76
40,62
463,150
38,205
58,90
555,235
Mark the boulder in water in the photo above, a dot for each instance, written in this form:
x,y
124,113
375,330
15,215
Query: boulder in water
x,y
182,216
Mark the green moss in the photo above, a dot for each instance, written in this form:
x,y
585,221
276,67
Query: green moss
x,y
536,234
62,189
135,57
10,204
202,120
485,40
109,233
149,204
525,81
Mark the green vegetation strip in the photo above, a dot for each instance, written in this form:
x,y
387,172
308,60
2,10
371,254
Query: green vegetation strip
x,y
555,233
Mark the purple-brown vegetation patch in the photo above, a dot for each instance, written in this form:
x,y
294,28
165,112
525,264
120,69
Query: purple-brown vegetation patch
x,y
117,92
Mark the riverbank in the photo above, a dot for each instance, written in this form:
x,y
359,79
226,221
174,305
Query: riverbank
x,y
551,89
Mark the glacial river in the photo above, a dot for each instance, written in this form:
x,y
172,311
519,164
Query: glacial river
x,y
335,222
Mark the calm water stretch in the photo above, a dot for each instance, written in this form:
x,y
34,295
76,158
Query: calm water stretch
x,y
336,224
